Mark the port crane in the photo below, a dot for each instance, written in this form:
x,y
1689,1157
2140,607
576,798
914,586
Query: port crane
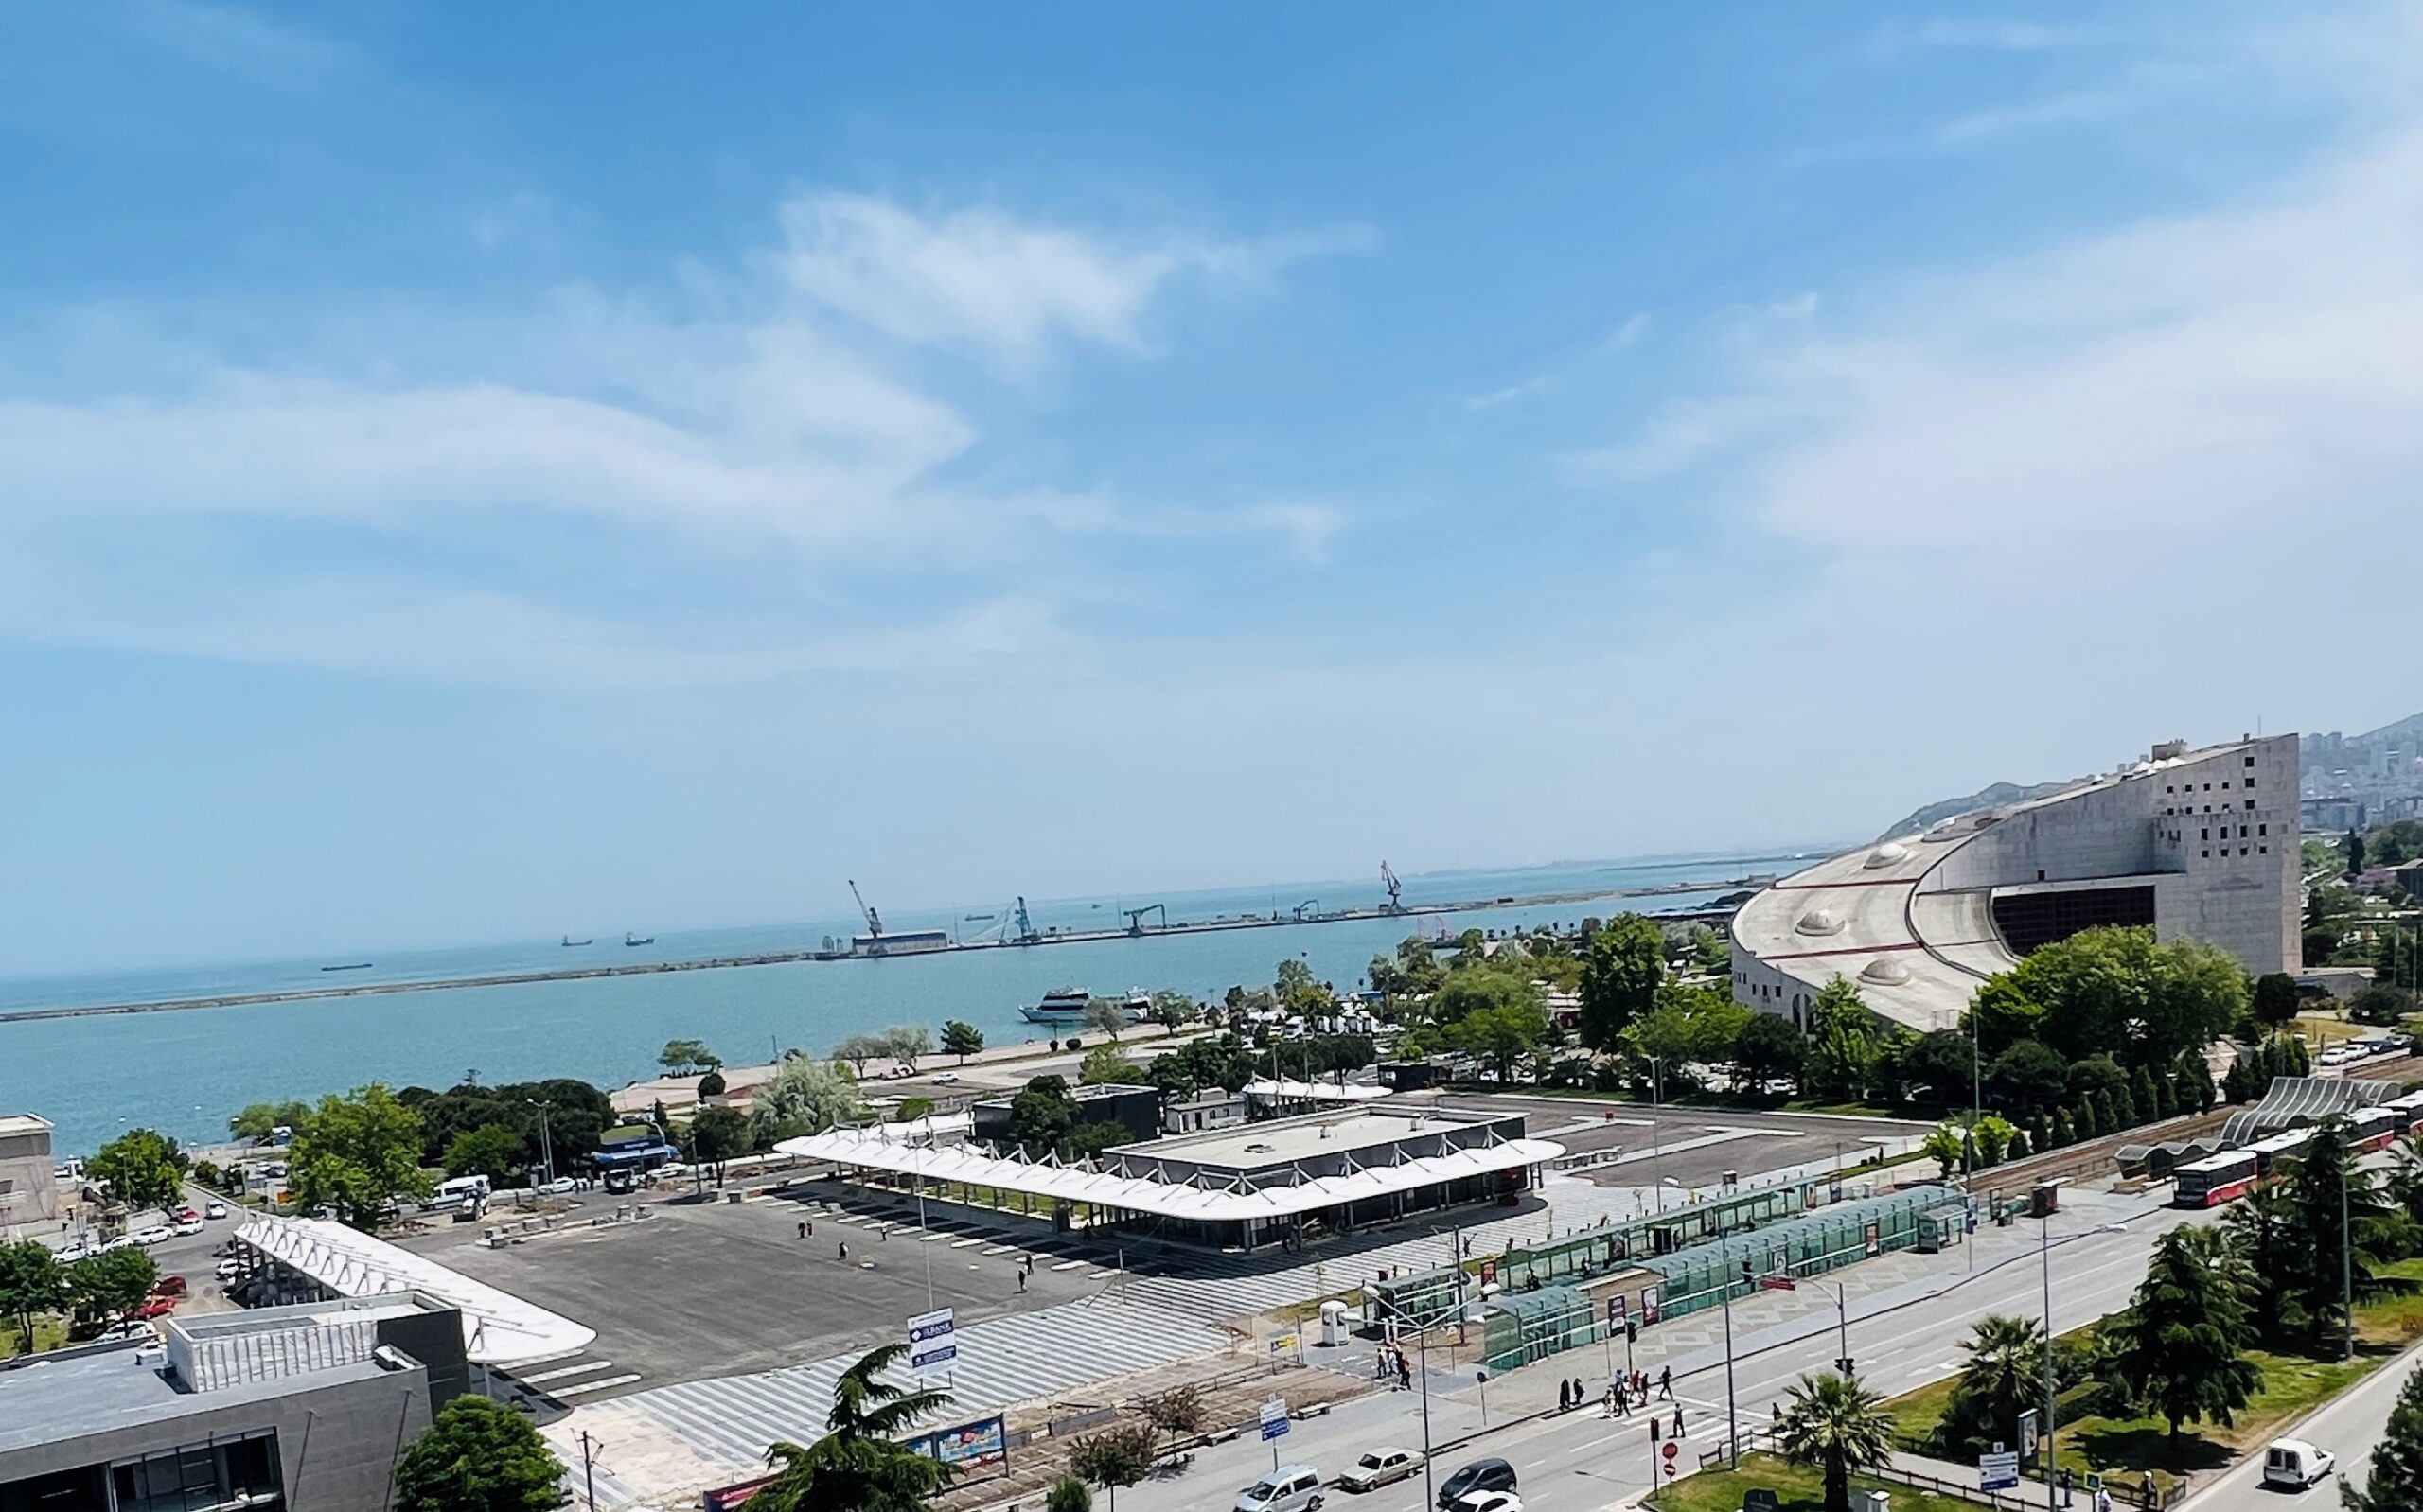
x,y
1396,889
1136,917
1308,910
1026,926
874,925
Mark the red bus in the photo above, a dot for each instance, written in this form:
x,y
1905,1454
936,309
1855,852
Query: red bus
x,y
2213,1180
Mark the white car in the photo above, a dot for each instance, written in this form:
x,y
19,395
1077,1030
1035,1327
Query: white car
x,y
2294,1461
227,1270
156,1234
126,1328
558,1187
948,1079
1490,1502
216,1209
189,1225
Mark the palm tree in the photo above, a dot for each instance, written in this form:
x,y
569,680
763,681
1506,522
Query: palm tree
x,y
1839,1426
2005,1378
858,1466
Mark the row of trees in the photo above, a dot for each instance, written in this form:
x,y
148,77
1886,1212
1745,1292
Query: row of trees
x,y
94,1290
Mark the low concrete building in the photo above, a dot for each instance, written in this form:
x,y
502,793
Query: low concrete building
x,y
1134,1109
1203,1113
28,1177
301,1406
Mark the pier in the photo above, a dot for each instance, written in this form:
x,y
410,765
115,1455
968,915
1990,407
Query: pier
x,y
784,957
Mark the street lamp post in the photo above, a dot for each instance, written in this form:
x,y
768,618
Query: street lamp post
x,y
2045,1254
1732,1412
546,1142
1656,1134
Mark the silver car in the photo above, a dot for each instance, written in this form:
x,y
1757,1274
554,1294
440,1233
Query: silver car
x,y
1380,1466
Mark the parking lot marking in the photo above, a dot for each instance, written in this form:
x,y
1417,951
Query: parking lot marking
x,y
567,1370
1070,1265
998,1249
932,1238
1097,1276
596,1385
963,1243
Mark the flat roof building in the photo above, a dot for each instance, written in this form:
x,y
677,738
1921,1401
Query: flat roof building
x,y
308,1405
28,1177
2193,844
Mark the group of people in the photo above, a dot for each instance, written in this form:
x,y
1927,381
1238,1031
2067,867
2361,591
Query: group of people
x,y
1631,1389
1394,1368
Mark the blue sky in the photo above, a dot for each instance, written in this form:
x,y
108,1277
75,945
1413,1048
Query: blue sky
x,y
462,471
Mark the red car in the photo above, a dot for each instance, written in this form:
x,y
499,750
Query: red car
x,y
170,1286
156,1308
188,1214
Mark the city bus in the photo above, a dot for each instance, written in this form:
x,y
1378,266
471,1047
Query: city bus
x,y
2213,1180
2289,1146
2408,1109
2372,1128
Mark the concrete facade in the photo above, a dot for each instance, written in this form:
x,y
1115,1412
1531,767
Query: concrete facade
x,y
2199,844
28,1177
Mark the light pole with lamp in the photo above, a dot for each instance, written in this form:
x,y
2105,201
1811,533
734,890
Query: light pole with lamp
x,y
1732,1412
2045,1254
546,1142
1656,1132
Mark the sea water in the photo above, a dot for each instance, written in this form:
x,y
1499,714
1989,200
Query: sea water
x,y
185,1071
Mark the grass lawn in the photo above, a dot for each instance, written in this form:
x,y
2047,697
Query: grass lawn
x,y
2325,1032
1800,1491
50,1331
2293,1384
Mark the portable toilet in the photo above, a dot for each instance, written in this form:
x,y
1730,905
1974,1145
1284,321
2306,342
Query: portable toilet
x,y
1333,1332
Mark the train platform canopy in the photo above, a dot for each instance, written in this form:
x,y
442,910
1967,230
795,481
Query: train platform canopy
x,y
1276,1171
2294,1102
499,1329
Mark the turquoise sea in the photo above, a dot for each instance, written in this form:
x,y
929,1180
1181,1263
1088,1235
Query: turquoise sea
x,y
186,1072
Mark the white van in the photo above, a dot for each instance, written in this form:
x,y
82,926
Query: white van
x,y
1288,1488
2294,1461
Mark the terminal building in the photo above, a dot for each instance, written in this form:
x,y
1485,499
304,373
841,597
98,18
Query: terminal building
x,y
2195,844
1243,1187
28,1178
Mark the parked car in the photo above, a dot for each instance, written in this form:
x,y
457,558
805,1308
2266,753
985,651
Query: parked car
x,y
187,1213
1288,1488
948,1079
228,1269
155,1308
1481,1475
1380,1466
125,1329
170,1286
189,1225
2294,1461
558,1187
216,1209
156,1234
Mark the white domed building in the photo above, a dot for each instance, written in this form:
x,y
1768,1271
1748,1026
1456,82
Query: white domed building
x,y
2199,844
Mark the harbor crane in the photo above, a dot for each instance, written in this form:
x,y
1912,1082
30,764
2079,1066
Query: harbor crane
x,y
1396,889
874,925
1136,917
1027,935
1308,911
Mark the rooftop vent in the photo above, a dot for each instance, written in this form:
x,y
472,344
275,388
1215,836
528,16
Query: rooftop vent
x,y
1819,922
1884,972
1891,853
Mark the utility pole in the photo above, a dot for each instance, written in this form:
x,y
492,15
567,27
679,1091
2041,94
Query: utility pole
x,y
589,1467
2347,1251
1842,1332
2045,1254
546,1143
1657,1139
1732,1412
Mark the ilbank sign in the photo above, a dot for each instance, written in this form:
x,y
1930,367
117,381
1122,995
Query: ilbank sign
x,y
934,1339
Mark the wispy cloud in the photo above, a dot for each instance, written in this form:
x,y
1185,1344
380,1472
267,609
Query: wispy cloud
x,y
2010,34
790,417
1631,330
237,42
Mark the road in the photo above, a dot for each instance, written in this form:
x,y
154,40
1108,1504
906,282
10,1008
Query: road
x,y
2347,1425
1583,1462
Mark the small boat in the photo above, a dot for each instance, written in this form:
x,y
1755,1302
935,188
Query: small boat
x,y
569,942
629,939
351,966
1066,1007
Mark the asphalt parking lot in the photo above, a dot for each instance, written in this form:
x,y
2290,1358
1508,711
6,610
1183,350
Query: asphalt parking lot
x,y
714,1289
1695,1147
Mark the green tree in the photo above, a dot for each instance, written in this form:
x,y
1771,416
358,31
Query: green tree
x,y
860,1465
358,1152
142,1168
682,1057
479,1456
2004,1378
2180,1347
804,1096
1836,1426
1620,976
962,1038
31,1281
1945,1143
2394,1478
1107,1017
712,1085
1176,1412
2002,1014
1941,1068
2064,1131
112,1283
1173,1009
2318,1266
1042,1115
1501,1033
715,1136
2028,1075
906,1043
1842,1044
2275,999
1767,1047
1121,1454
491,1149
1068,1494
1107,1065
2117,991
258,1120
857,1049
1477,987
1690,1027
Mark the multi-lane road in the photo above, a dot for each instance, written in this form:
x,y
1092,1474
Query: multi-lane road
x,y
2348,1426
1583,1462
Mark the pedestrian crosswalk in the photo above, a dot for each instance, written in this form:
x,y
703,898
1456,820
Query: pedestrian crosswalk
x,y
682,1438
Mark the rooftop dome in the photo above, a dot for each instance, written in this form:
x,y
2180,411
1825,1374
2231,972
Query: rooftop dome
x,y
1819,922
1891,853
1885,972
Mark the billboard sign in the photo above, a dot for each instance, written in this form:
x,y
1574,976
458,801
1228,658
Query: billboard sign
x,y
1274,1418
1997,1473
1649,1304
934,1339
982,1444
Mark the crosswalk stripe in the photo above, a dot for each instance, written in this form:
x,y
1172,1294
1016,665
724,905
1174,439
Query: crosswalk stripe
x,y
567,1370
587,1386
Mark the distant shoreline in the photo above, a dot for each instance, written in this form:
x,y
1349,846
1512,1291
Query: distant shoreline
x,y
784,957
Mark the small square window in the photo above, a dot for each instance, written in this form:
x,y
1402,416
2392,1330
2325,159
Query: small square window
x,y
2263,828
2249,761
2241,849
2263,849
2208,855
2225,787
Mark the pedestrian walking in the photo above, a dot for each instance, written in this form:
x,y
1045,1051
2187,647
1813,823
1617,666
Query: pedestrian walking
x,y
1580,1396
803,1228
1405,1371
1563,1397
1619,1401
842,1250
1678,1419
1666,1382
1021,1280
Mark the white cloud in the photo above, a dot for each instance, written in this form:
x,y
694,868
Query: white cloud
x,y
768,431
